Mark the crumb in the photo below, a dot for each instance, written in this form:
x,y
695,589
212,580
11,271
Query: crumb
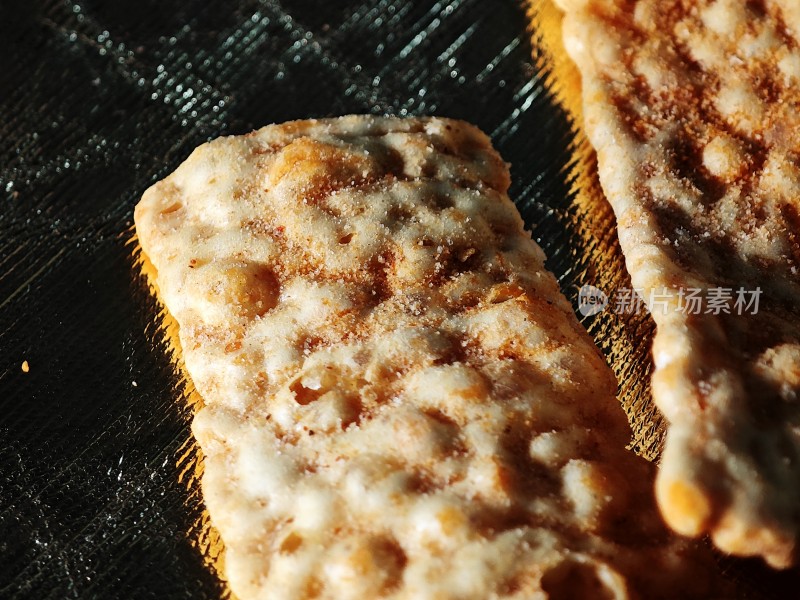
x,y
25,366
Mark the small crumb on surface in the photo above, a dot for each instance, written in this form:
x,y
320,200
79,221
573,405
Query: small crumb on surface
x,y
25,366
134,384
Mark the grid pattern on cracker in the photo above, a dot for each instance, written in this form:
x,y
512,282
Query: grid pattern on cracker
x,y
399,401
693,108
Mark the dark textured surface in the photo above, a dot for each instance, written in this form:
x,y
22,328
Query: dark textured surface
x,y
99,99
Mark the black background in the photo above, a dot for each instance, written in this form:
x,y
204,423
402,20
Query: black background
x,y
99,100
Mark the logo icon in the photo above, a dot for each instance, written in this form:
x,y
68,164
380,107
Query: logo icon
x,y
591,300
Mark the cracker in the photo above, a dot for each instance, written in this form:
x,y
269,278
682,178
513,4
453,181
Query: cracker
x,y
399,401
694,110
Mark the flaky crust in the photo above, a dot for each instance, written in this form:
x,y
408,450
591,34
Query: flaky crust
x,y
399,401
694,110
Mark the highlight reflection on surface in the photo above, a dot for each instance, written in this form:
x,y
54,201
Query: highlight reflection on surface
x,y
202,534
624,339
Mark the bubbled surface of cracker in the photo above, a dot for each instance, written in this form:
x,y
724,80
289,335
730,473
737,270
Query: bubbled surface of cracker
x,y
399,401
694,110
